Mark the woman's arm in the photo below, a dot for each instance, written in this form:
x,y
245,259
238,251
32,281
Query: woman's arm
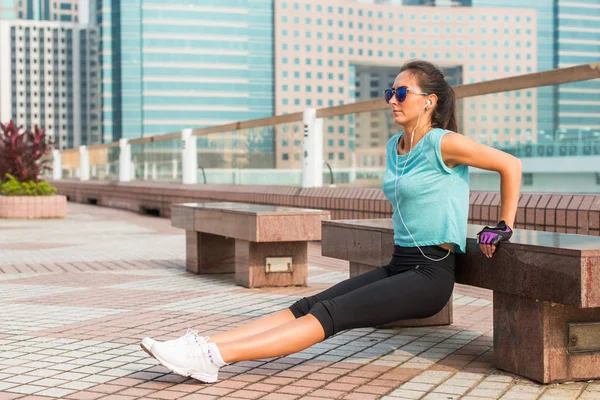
x,y
458,149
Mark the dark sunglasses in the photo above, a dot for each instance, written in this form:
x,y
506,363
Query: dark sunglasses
x,y
400,93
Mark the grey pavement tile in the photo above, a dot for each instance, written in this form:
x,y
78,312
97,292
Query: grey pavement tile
x,y
26,389
55,392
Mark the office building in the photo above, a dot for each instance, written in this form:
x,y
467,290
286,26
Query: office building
x,y
167,66
47,78
319,47
40,10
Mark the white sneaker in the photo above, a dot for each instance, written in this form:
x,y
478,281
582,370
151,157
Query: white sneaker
x,y
190,337
187,356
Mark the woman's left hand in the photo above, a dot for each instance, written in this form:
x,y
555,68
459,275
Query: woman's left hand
x,y
488,238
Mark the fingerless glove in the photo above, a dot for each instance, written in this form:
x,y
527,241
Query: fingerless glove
x,y
494,235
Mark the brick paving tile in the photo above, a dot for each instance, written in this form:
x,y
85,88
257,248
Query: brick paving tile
x,y
82,300
137,392
155,385
106,388
215,391
186,387
309,383
165,395
83,395
262,387
231,384
361,396
249,377
279,396
278,381
372,389
119,397
330,394
297,390
292,374
198,396
35,398
345,387
246,394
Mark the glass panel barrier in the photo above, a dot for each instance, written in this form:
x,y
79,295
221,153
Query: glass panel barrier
x,y
559,147
354,148
70,164
247,156
104,163
157,161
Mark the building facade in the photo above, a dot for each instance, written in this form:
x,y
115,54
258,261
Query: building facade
x,y
167,66
319,48
578,42
40,10
47,78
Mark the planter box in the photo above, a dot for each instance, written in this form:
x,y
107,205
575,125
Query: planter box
x,y
33,207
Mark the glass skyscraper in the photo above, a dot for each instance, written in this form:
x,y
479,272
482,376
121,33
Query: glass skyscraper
x,y
578,42
167,66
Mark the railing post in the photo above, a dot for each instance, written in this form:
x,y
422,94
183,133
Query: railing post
x,y
352,168
56,165
84,164
124,161
189,158
312,164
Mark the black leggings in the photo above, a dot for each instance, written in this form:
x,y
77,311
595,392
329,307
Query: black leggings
x,y
410,286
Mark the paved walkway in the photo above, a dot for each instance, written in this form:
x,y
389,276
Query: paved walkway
x,y
77,296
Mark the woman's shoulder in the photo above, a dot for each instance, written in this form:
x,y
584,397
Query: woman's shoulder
x,y
436,134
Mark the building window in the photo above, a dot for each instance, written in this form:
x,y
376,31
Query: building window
x,y
528,179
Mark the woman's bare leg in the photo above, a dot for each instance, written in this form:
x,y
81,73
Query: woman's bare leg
x,y
255,327
291,337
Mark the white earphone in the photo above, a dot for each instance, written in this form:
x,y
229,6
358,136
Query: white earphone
x,y
396,187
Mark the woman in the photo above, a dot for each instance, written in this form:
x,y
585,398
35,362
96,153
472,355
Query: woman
x,y
426,180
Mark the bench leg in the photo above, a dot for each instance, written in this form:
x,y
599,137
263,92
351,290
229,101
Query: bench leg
x,y
250,258
209,254
444,317
538,339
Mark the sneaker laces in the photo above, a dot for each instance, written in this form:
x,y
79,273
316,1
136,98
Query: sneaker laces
x,y
192,337
198,353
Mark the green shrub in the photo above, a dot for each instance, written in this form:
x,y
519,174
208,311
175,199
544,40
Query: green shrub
x,y
12,187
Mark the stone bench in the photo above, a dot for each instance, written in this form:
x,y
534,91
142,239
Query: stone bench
x,y
546,293
264,246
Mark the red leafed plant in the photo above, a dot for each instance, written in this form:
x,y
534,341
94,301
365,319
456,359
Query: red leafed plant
x,y
22,154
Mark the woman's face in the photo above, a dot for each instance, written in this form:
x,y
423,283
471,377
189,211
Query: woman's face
x,y
408,111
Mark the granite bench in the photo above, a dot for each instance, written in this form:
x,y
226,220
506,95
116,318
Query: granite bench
x,y
265,246
546,293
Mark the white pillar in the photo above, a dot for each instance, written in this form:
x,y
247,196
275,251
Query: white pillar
x,y
146,170
124,161
174,170
154,171
84,164
189,158
312,164
56,165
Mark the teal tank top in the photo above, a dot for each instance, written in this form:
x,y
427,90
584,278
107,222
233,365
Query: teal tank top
x,y
433,199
